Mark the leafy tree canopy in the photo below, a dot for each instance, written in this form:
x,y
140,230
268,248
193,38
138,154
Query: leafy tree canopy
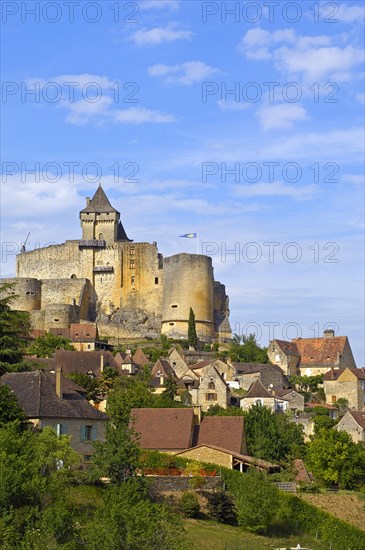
x,y
245,349
336,460
10,409
272,436
46,345
14,329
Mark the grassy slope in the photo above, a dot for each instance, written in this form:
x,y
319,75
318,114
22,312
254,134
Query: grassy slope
x,y
344,505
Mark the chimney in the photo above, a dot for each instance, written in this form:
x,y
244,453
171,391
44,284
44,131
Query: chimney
x,y
329,333
101,363
128,352
87,201
332,373
59,389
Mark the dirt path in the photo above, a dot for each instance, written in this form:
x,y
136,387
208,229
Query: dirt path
x,y
346,506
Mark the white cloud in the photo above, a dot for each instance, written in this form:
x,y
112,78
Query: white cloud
x,y
349,14
139,115
276,189
355,179
281,116
159,35
308,57
185,73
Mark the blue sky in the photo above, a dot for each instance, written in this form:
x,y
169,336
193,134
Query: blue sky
x,y
246,127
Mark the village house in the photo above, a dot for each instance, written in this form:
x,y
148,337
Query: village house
x,y
212,390
348,383
259,395
161,371
312,356
50,399
294,398
353,422
270,375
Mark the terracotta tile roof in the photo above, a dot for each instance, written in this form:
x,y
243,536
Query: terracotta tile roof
x,y
119,357
83,332
83,361
223,431
283,393
301,472
321,351
289,348
257,389
64,332
359,417
163,428
333,374
36,393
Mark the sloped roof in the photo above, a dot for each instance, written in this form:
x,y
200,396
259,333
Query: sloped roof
x,y
301,472
36,394
164,367
139,358
282,393
359,417
250,368
334,374
322,351
289,348
257,389
201,364
83,361
83,332
119,357
163,428
99,203
223,431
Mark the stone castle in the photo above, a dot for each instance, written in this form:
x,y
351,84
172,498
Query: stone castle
x,y
127,288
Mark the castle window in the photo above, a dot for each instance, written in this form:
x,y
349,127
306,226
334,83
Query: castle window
x,y
56,320
73,276
156,280
171,324
132,251
174,306
133,280
132,264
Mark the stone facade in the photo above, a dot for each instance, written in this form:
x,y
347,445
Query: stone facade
x,y
348,384
128,288
210,455
212,389
353,422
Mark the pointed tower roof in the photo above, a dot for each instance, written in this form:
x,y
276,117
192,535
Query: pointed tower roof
x,y
99,203
257,389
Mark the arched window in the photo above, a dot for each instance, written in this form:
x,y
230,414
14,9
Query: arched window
x,y
73,276
211,385
101,237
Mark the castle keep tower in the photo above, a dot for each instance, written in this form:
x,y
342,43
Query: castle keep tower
x,y
100,221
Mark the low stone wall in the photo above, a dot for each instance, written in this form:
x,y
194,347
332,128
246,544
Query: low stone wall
x,y
171,484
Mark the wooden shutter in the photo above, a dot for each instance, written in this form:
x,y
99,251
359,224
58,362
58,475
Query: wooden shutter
x,y
82,433
93,433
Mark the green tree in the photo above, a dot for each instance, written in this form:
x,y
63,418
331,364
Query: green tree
x,y
127,394
14,329
336,460
89,383
192,335
10,409
189,505
221,507
272,436
245,349
167,398
322,419
128,520
46,345
118,457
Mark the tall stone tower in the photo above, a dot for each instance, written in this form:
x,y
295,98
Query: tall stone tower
x,y
101,221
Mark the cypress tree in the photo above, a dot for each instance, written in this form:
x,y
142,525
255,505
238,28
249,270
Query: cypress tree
x,y
192,336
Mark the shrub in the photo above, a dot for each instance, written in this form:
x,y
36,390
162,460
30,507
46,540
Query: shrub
x,y
221,507
189,505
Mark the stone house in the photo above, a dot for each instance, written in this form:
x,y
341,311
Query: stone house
x,y
259,395
353,422
348,383
285,355
161,371
312,356
270,375
50,399
177,362
294,398
213,390
227,371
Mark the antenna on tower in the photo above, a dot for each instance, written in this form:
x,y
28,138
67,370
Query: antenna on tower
x,y
25,242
